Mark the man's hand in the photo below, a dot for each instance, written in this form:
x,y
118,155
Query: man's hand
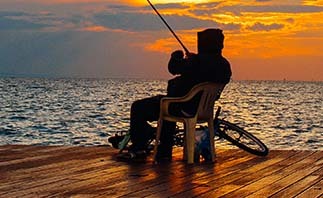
x,y
190,55
178,54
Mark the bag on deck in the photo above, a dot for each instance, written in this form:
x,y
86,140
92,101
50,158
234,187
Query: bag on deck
x,y
202,144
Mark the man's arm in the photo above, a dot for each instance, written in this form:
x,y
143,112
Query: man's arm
x,y
178,64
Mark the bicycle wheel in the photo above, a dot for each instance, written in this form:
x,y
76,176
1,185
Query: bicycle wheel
x,y
241,138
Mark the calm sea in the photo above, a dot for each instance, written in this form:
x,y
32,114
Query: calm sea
x,y
284,115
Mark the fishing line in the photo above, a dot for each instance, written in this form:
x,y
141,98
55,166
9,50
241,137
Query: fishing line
x,y
170,29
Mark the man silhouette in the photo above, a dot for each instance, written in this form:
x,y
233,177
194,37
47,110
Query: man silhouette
x,y
207,66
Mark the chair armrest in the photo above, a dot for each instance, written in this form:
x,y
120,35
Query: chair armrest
x,y
166,101
187,97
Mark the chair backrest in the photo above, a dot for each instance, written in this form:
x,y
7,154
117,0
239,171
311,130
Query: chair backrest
x,y
210,93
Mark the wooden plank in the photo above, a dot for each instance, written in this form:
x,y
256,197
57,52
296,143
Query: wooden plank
x,y
14,177
84,176
42,170
54,182
302,184
29,158
50,171
304,173
189,173
314,191
142,173
224,183
36,171
95,182
20,152
112,183
223,169
258,173
284,176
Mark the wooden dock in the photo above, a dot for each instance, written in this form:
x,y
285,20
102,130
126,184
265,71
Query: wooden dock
x,y
42,171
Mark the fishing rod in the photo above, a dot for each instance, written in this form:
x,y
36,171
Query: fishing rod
x,y
170,29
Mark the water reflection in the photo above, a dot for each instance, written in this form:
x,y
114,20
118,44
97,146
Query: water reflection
x,y
285,115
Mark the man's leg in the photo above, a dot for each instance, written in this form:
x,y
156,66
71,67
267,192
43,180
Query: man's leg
x,y
142,111
166,141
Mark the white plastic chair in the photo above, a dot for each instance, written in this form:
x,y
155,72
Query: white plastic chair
x,y
205,112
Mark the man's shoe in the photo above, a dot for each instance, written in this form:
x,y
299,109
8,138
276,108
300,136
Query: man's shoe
x,y
132,156
164,154
163,159
115,140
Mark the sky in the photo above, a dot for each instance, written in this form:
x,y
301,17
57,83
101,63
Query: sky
x,y
264,39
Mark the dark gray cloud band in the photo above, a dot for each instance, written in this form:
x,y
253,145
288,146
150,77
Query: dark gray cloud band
x,y
9,22
239,9
265,27
274,8
149,22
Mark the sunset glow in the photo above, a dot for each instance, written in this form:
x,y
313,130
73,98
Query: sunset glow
x,y
272,34
264,39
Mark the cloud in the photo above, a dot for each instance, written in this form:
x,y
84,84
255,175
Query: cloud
x,y
37,52
9,22
264,27
208,5
41,21
11,13
137,19
237,9
95,29
148,22
115,16
170,6
112,39
230,26
120,7
290,20
272,8
79,54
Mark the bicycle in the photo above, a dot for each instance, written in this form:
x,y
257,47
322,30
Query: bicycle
x,y
223,129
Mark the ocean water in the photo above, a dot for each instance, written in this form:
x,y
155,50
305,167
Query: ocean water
x,y
85,112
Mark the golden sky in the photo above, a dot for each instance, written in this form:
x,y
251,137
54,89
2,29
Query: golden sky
x,y
282,35
265,39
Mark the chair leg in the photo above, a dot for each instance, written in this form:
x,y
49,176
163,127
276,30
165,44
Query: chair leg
x,y
212,146
190,140
184,144
157,140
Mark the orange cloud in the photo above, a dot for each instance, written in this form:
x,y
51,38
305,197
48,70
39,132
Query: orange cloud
x,y
96,28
